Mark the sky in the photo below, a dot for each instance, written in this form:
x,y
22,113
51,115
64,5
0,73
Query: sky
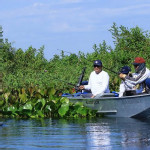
x,y
69,25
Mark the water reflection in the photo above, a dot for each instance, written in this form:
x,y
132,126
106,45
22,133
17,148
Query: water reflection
x,y
93,134
98,135
116,133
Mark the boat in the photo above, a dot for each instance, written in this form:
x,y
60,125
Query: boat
x,y
136,106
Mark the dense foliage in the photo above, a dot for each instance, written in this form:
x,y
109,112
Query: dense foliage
x,y
33,84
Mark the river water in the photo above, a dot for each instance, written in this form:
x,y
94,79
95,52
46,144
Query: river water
x,y
75,134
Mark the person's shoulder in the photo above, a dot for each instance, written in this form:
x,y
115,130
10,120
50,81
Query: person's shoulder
x,y
147,69
104,72
93,72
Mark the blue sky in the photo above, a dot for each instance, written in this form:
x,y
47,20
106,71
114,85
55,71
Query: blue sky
x,y
69,25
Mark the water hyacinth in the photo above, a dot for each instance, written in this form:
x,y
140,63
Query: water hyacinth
x,y
42,104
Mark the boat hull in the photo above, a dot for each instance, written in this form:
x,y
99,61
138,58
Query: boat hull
x,y
129,106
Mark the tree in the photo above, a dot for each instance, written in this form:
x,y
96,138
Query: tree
x,y
1,42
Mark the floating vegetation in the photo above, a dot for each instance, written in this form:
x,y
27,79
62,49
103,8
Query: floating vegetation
x,y
37,103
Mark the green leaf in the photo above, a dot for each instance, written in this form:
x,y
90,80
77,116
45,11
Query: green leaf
x,y
82,111
23,97
38,95
40,104
42,101
27,106
51,91
1,102
11,109
64,100
40,114
27,113
6,96
42,92
63,109
48,108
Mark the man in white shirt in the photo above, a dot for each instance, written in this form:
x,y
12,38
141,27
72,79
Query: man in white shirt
x,y
98,81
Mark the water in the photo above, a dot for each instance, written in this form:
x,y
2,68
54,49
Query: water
x,y
77,134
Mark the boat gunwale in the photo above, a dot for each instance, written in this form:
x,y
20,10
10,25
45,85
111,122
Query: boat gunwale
x,y
109,98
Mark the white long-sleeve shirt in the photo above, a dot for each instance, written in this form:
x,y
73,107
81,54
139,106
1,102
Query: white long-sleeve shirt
x,y
98,83
124,87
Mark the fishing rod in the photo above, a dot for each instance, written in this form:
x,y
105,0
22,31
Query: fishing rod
x,y
61,80
90,61
64,81
79,81
74,85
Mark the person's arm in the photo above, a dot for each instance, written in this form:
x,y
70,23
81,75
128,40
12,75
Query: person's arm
x,y
135,80
88,87
139,78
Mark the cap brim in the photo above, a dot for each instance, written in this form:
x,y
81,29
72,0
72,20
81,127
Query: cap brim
x,y
125,72
135,64
97,65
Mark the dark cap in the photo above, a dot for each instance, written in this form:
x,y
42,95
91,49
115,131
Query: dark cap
x,y
97,63
138,60
125,70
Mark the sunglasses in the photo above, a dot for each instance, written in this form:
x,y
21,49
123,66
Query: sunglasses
x,y
96,66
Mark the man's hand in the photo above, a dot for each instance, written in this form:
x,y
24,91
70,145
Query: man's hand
x,y
92,96
122,76
81,87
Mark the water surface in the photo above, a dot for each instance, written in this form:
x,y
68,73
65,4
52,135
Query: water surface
x,y
78,134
